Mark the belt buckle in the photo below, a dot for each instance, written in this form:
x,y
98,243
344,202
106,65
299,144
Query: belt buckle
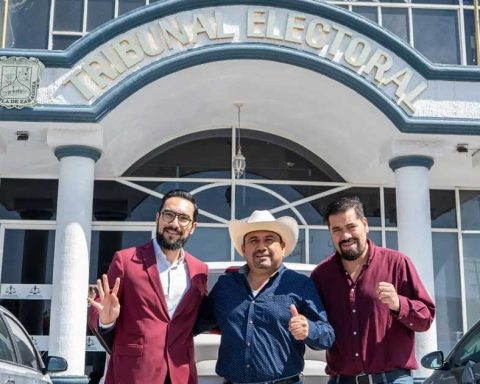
x,y
370,380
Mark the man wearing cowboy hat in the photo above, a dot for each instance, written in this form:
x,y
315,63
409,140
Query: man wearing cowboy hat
x,y
266,312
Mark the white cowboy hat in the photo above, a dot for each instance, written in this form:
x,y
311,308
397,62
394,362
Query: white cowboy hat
x,y
285,226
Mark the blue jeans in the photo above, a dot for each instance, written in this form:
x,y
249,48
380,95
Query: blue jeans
x,y
400,380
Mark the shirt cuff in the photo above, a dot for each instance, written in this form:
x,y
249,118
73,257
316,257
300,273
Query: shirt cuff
x,y
313,336
404,308
105,327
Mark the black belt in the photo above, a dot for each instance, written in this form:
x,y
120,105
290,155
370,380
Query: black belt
x,y
290,380
373,378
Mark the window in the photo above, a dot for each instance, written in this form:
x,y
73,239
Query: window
x,y
105,243
28,355
469,350
370,13
471,265
7,353
442,209
435,34
68,15
448,300
63,42
129,5
185,157
214,244
33,314
470,209
28,256
27,24
28,199
99,12
396,21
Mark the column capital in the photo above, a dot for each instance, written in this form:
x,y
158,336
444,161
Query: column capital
x,y
85,140
411,161
77,150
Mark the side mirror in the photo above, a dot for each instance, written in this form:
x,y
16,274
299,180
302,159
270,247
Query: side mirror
x,y
56,364
432,360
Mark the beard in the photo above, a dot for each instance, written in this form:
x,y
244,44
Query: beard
x,y
170,245
350,254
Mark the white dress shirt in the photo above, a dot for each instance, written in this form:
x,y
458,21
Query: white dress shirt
x,y
174,277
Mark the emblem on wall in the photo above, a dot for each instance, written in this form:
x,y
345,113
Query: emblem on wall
x,y
19,81
34,291
10,290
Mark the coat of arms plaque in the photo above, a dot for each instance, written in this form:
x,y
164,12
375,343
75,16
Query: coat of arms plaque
x,y
19,81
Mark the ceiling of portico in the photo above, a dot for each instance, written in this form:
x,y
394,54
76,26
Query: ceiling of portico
x,y
331,120
324,116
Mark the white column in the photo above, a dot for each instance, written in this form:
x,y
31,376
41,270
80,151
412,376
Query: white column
x,y
71,261
415,232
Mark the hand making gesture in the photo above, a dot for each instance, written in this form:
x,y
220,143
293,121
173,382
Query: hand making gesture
x,y
298,324
108,306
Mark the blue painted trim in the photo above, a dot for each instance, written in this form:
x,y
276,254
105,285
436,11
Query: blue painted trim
x,y
314,7
78,150
411,161
219,52
69,379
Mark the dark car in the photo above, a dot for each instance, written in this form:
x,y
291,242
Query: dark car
x,y
20,362
461,366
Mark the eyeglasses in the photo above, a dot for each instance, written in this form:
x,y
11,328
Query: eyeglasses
x,y
183,219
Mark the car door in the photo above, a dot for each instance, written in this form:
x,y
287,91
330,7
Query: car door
x,y
464,363
27,367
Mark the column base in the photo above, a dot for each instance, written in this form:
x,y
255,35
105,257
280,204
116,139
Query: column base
x,y
69,379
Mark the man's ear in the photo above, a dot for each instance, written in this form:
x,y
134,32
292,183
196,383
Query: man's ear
x,y
365,222
194,226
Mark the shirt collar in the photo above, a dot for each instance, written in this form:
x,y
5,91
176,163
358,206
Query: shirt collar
x,y
161,257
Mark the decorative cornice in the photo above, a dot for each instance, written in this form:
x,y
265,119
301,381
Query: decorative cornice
x,y
161,9
220,52
238,51
77,150
411,161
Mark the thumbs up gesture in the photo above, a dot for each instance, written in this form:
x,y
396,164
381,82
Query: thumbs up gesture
x,y
298,324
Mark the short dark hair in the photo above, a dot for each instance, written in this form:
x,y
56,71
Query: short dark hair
x,y
342,204
184,195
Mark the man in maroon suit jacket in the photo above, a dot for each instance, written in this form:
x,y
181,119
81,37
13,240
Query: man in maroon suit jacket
x,y
152,307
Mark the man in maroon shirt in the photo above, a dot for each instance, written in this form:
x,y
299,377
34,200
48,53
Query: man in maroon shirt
x,y
374,300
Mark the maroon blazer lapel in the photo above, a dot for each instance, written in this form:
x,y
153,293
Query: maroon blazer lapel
x,y
150,262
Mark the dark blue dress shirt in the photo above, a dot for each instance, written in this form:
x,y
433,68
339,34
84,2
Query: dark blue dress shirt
x,y
256,344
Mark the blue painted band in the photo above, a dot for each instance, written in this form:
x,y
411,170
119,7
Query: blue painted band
x,y
317,8
78,150
69,379
219,52
410,161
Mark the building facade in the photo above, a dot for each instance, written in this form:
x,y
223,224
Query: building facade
x,y
107,105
